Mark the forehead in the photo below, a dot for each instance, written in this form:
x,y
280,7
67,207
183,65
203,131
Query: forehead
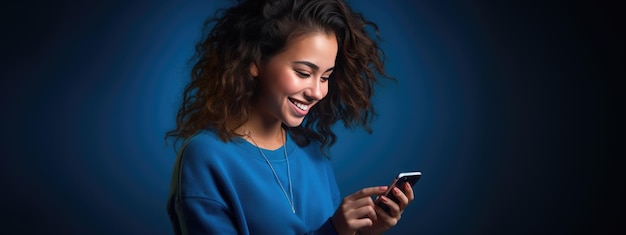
x,y
317,47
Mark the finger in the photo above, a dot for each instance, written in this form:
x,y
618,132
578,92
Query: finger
x,y
362,213
403,201
349,204
361,217
394,208
367,192
408,190
349,218
385,218
361,223
364,201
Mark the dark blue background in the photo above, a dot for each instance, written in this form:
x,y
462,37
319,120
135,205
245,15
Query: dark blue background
x,y
507,108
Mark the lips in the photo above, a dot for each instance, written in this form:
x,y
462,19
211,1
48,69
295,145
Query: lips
x,y
299,105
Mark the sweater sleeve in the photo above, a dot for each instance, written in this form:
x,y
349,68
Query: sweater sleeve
x,y
203,216
328,228
334,188
199,203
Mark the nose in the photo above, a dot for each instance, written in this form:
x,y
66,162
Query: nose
x,y
316,90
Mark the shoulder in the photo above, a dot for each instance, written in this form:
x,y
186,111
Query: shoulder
x,y
204,140
205,147
203,161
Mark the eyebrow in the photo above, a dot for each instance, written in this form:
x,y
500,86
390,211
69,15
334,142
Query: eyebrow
x,y
312,65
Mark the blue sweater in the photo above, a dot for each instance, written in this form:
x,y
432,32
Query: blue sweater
x,y
228,188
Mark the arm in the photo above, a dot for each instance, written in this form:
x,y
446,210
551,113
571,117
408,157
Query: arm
x,y
204,216
328,228
196,204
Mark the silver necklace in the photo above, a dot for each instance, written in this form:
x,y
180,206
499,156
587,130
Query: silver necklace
x,y
289,198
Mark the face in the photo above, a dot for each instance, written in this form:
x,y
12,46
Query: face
x,y
293,81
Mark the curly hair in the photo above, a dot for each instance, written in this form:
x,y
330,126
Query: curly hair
x,y
221,92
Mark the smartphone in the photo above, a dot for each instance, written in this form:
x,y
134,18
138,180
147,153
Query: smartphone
x,y
398,181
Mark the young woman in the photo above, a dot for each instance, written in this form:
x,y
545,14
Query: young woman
x,y
270,80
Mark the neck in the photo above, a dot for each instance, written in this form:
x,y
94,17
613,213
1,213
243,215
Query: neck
x,y
267,132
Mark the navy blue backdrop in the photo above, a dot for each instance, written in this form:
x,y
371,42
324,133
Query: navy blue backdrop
x,y
503,106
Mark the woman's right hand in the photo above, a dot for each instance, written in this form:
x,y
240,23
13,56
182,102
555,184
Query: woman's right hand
x,y
356,211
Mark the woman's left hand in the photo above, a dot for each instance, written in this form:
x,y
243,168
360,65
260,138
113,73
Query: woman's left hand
x,y
386,220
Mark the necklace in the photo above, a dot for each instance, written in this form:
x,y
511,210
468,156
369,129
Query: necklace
x,y
290,197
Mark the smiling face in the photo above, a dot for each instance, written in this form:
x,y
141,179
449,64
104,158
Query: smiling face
x,y
293,81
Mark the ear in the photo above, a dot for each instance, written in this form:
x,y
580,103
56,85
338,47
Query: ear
x,y
254,70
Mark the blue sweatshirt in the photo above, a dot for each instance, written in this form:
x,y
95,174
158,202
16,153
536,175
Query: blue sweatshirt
x,y
228,188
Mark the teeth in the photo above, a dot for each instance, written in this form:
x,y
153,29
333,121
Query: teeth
x,y
300,106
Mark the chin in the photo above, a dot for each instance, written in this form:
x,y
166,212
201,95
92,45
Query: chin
x,y
293,122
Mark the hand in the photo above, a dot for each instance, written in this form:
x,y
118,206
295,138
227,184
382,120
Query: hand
x,y
357,211
387,220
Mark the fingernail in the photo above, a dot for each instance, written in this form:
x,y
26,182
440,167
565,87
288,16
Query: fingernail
x,y
396,190
382,188
384,199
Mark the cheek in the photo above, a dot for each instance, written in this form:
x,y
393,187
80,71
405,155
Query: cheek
x,y
287,83
277,86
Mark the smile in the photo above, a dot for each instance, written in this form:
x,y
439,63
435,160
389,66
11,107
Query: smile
x,y
301,106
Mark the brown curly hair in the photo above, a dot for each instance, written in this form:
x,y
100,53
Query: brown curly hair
x,y
221,90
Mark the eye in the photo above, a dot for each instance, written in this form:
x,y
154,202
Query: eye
x,y
302,74
326,78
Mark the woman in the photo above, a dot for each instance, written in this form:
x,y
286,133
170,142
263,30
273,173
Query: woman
x,y
271,78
